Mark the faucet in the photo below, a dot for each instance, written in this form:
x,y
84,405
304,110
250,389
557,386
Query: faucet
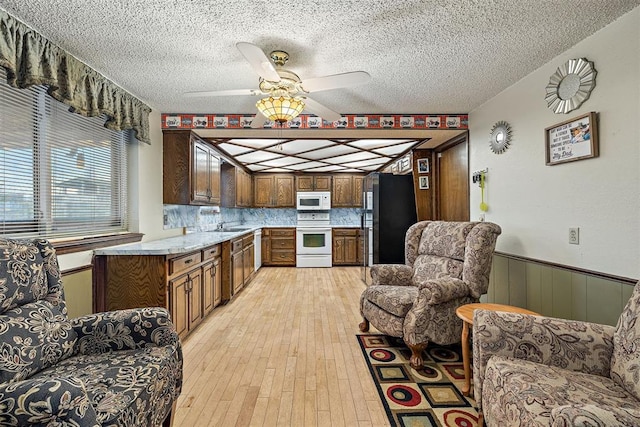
x,y
220,225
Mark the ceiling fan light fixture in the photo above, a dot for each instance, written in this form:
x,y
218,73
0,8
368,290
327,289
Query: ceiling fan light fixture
x,y
280,109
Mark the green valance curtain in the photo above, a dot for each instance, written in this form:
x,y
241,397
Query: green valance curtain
x,y
30,59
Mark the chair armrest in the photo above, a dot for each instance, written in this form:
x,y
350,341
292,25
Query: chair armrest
x,y
434,292
582,415
392,274
124,329
44,401
572,345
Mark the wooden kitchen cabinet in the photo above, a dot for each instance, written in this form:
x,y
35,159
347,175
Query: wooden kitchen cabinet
x,y
345,246
279,246
242,262
190,170
274,191
347,191
188,285
237,187
212,279
313,182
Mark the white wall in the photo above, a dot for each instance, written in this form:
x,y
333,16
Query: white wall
x,y
536,204
145,194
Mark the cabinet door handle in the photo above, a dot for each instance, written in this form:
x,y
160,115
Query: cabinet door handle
x,y
188,261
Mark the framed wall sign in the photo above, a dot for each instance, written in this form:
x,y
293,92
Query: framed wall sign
x,y
423,165
424,182
571,140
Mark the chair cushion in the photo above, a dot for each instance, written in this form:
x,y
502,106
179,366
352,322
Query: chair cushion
x,y
432,267
396,300
34,336
22,277
519,392
625,361
128,387
445,239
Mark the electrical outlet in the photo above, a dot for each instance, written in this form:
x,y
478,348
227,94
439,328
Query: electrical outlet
x,y
574,236
481,217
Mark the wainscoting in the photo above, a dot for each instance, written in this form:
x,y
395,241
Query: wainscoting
x,y
78,292
557,291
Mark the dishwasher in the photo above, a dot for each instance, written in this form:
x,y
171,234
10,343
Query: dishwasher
x,y
257,248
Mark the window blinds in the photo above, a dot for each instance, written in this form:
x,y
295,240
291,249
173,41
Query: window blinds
x,y
61,174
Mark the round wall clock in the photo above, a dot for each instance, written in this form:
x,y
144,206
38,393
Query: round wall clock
x,y
500,137
570,85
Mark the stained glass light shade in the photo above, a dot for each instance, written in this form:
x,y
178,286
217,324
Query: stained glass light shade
x,y
280,109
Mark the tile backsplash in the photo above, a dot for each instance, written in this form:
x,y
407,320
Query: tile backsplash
x,y
203,218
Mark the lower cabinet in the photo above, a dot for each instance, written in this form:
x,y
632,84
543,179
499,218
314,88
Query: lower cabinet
x,y
346,246
242,262
279,246
188,285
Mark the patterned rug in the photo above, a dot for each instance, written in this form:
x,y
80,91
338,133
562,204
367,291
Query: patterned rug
x,y
430,396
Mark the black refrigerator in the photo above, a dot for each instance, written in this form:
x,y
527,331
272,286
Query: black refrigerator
x,y
389,209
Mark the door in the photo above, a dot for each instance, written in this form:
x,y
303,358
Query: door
x,y
217,282
453,178
237,271
195,298
208,278
263,194
201,175
214,177
180,304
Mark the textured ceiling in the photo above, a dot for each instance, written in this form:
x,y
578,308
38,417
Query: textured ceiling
x,y
428,56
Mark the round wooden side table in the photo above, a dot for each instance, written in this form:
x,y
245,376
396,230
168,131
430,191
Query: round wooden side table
x,y
465,312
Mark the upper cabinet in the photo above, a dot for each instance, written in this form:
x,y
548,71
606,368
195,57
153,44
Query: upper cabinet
x,y
237,187
313,182
190,170
274,191
347,191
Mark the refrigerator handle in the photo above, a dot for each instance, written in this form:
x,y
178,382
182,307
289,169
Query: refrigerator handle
x,y
361,221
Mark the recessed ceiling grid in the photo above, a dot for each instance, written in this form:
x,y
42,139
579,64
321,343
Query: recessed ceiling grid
x,y
314,155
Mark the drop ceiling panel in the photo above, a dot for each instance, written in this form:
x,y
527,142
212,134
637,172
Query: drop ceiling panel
x,y
233,149
257,168
395,149
352,157
257,156
334,168
335,150
307,165
283,161
378,161
301,145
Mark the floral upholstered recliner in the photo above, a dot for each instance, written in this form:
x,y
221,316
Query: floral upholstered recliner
x,y
447,264
542,371
120,368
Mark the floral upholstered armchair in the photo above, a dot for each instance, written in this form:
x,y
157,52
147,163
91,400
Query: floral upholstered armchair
x,y
121,368
542,371
447,264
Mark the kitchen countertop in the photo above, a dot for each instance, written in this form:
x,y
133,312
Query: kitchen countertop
x,y
188,242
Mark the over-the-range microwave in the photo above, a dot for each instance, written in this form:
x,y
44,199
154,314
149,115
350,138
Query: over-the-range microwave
x,y
313,200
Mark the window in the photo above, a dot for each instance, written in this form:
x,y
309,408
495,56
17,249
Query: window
x,y
61,174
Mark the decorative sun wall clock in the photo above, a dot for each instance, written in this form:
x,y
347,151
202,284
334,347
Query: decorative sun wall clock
x,y
500,137
570,85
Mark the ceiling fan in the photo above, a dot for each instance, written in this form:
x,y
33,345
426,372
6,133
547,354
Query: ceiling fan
x,y
283,90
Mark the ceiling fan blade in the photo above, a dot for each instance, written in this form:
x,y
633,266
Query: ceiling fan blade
x,y
230,92
258,61
335,81
320,110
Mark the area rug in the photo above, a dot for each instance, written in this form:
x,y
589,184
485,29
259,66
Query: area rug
x,y
429,396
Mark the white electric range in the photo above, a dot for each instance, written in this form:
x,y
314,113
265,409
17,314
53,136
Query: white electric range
x,y
313,239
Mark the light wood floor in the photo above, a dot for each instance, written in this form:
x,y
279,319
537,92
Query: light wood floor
x,y
282,353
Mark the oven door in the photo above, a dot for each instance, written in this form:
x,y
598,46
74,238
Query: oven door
x,y
313,241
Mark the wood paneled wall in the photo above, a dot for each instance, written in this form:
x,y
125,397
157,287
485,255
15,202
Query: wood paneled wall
x,y
556,291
